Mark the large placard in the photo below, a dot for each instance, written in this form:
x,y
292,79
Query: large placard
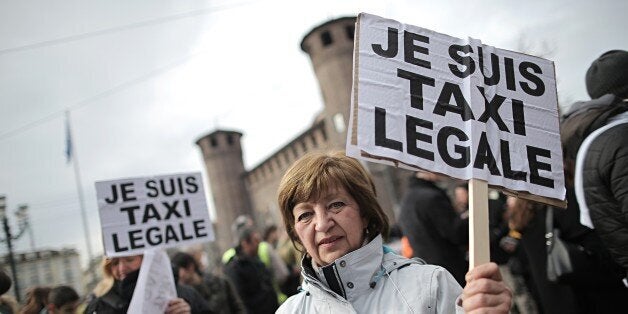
x,y
426,100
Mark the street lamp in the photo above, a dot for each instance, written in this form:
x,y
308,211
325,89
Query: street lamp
x,y
22,215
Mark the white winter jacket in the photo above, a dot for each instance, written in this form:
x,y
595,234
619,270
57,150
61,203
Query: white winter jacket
x,y
373,279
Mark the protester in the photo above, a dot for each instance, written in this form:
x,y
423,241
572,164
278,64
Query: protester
x,y
8,304
266,252
593,286
219,292
250,276
125,271
103,286
62,300
330,211
527,219
271,236
596,176
36,300
595,133
435,231
510,256
291,257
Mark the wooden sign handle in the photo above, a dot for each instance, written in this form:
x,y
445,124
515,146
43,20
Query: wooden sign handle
x,y
479,242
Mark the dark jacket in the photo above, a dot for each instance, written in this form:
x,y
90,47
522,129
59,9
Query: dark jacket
x,y
118,298
435,232
596,280
253,282
221,294
605,170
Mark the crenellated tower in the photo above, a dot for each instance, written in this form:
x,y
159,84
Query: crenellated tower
x,y
330,47
222,154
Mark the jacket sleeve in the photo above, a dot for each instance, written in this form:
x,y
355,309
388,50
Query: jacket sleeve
x,y
448,292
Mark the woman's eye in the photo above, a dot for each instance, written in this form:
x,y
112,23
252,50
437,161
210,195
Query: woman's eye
x,y
304,216
336,205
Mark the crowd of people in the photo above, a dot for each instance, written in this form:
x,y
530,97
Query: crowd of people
x,y
333,253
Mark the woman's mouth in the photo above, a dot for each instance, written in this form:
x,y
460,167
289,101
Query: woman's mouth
x,y
329,241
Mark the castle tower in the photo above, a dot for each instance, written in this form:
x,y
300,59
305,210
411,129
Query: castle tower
x,y
222,155
330,47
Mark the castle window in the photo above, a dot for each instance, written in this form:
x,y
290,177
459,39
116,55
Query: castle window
x,y
213,141
314,143
230,139
326,38
324,134
350,31
294,151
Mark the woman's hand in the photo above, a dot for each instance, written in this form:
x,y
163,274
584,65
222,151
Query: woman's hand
x,y
178,306
485,292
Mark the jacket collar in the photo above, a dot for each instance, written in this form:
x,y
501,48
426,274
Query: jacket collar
x,y
350,275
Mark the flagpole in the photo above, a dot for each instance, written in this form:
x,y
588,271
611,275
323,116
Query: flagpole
x,y
73,158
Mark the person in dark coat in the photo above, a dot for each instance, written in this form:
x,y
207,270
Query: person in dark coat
x,y
528,219
437,234
218,291
602,161
595,149
250,276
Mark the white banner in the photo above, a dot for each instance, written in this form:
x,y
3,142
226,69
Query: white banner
x,y
155,286
138,214
426,100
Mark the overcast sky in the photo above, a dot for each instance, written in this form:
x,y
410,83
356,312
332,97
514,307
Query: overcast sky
x,y
144,79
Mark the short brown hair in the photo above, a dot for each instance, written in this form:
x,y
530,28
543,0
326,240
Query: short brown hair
x,y
317,172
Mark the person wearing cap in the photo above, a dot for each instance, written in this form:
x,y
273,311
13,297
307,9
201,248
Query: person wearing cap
x,y
595,150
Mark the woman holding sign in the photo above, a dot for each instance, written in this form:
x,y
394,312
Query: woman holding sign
x,y
115,296
330,211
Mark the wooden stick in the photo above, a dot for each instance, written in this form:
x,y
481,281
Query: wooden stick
x,y
479,242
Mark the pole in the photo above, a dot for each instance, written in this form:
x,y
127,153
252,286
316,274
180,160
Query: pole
x,y
479,243
7,234
79,188
31,236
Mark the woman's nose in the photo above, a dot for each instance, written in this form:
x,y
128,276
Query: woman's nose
x,y
324,222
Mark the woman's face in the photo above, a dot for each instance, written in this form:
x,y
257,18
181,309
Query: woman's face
x,y
329,226
122,266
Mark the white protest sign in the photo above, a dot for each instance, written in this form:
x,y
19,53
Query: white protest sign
x,y
155,285
138,214
425,100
